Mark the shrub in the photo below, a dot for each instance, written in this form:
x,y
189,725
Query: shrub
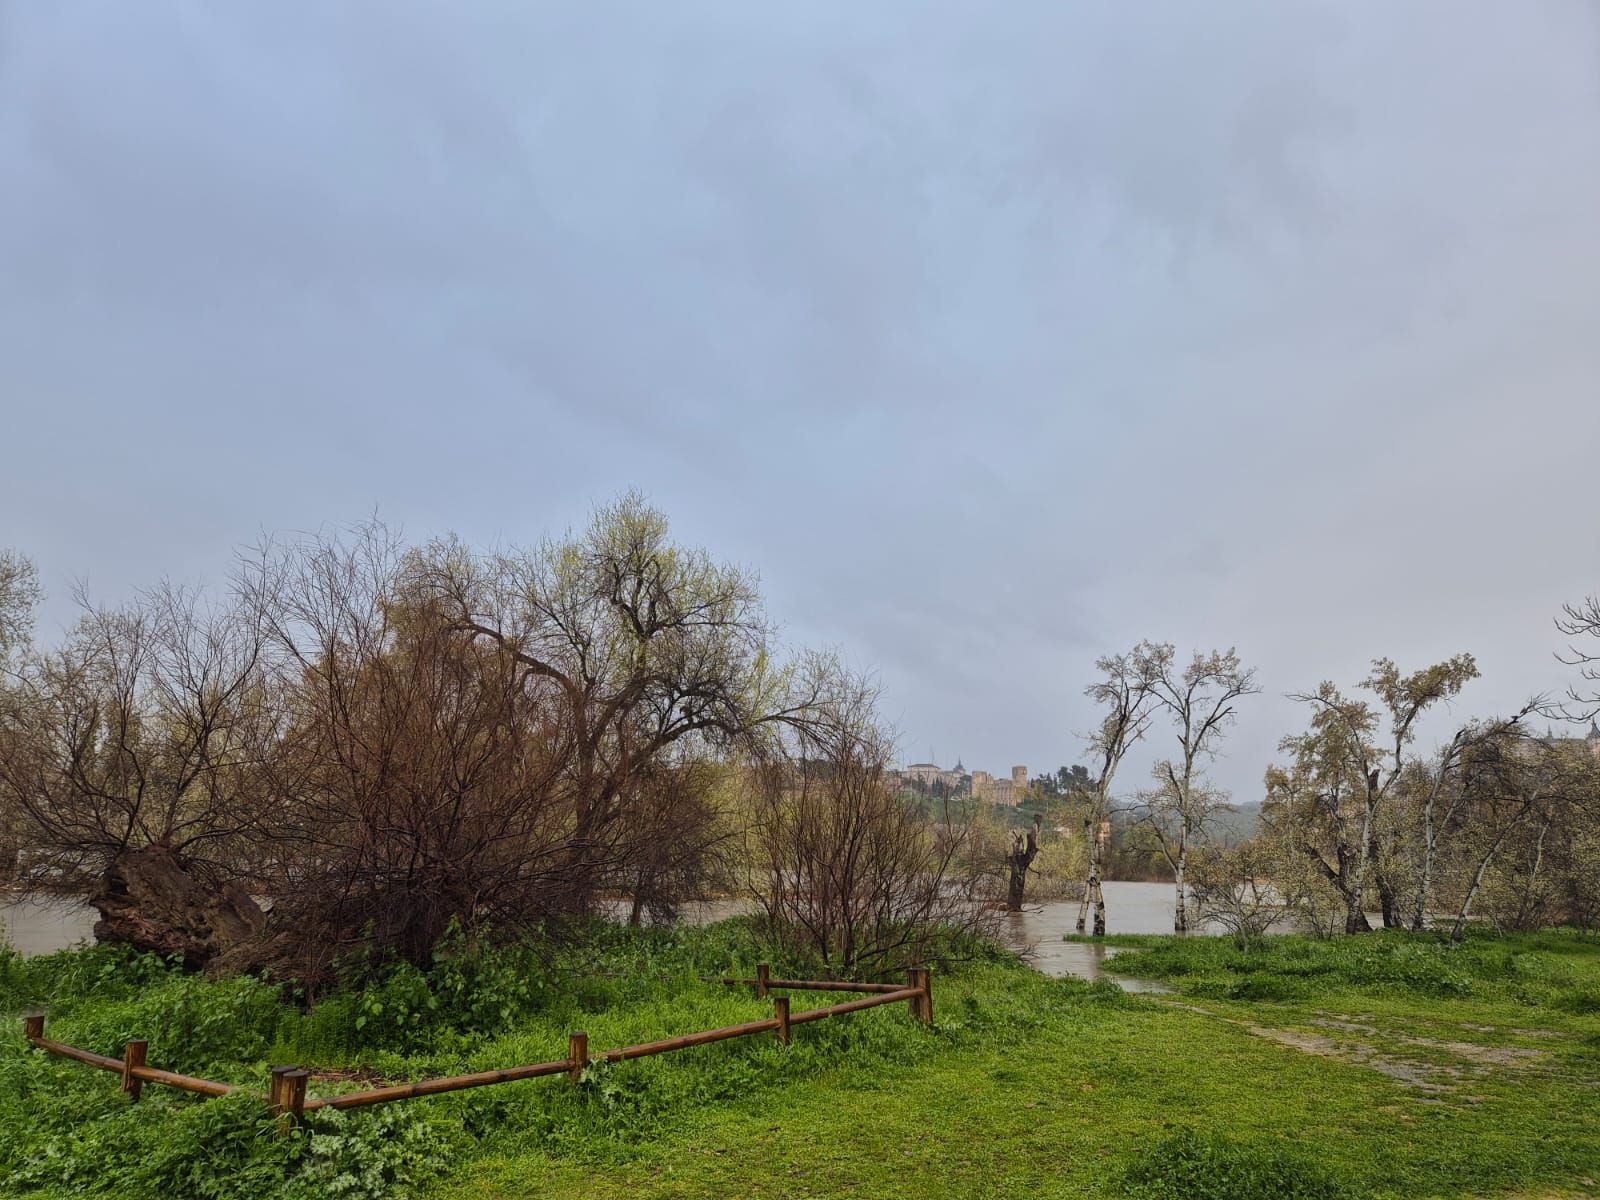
x,y
1188,1165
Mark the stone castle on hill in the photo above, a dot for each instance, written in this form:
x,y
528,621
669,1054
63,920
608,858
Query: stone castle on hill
x,y
1589,741
980,785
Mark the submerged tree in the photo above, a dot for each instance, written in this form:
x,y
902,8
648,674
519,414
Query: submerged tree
x,y
1200,700
1237,889
1019,860
1124,693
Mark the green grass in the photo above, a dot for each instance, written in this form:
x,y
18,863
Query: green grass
x,y
1381,1067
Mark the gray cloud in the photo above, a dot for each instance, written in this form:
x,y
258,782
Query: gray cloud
x,y
996,339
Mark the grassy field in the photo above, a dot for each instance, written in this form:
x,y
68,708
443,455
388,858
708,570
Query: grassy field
x,y
1381,1066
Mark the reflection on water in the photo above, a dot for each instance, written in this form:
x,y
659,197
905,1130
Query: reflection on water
x,y
39,925
1130,908
1037,933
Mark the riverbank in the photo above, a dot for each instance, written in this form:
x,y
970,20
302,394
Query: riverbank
x,y
1371,1067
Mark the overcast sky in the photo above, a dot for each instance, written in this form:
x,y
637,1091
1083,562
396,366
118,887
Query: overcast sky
x,y
995,337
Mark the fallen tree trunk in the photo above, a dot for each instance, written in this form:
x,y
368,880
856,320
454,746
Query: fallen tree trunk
x,y
150,900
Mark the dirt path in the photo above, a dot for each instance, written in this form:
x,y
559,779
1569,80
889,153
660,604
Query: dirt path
x,y
1430,1077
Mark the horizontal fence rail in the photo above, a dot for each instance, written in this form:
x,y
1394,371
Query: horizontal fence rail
x,y
287,1097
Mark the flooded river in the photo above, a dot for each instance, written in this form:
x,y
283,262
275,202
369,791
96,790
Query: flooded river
x,y
39,925
1130,908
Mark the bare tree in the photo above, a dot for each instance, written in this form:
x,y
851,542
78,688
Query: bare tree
x,y
1019,860
842,868
1235,889
1441,799
1582,621
1510,781
1124,694
417,783
132,755
1200,700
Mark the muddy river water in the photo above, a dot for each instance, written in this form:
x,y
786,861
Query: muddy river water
x,y
39,925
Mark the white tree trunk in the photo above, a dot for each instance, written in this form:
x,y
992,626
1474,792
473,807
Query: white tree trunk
x,y
1425,884
1180,913
1356,876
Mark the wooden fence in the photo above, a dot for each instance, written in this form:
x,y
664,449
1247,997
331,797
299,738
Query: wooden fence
x,y
287,1092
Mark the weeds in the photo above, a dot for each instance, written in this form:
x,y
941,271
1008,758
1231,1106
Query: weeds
x,y
68,1130
1539,971
1189,1165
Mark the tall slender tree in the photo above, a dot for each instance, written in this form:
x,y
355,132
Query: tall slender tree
x,y
1200,700
1123,693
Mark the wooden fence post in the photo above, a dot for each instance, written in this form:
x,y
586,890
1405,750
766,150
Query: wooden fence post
x,y
295,1093
286,1095
921,1005
133,1056
33,1026
577,1055
780,1009
277,1091
763,973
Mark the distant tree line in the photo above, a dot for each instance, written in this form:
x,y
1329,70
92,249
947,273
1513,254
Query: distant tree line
x,y
1358,826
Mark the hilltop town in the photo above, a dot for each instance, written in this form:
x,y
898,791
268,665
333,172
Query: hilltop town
x,y
1007,791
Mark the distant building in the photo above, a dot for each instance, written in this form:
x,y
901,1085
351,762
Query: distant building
x,y
1590,741
1007,793
930,776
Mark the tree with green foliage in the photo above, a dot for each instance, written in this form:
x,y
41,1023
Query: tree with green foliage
x,y
19,595
1340,778
645,648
